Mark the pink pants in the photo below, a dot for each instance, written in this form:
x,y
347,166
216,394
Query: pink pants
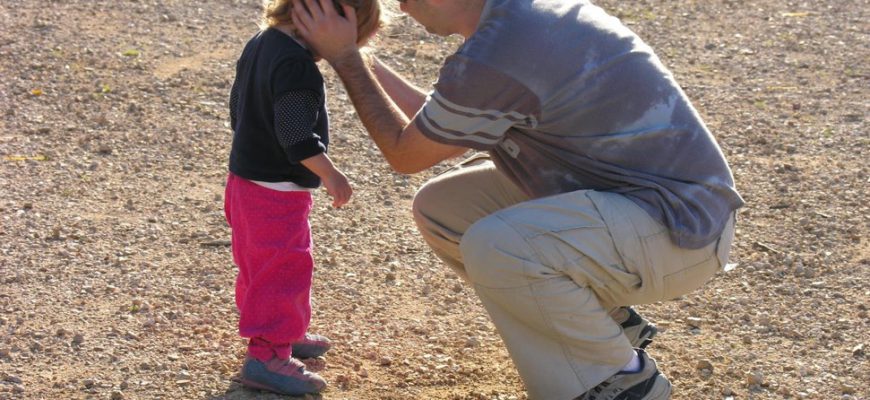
x,y
271,242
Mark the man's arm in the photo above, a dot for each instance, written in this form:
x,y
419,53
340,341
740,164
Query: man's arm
x,y
333,37
406,148
408,97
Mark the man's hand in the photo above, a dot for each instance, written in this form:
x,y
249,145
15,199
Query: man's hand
x,y
330,35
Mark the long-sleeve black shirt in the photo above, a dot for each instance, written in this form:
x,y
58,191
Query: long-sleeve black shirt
x,y
277,111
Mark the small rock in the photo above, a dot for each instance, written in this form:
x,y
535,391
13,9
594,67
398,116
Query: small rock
x,y
12,379
385,361
704,365
89,383
78,339
754,379
117,395
472,342
847,388
858,351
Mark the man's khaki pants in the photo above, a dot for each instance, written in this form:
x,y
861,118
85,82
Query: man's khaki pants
x,y
549,271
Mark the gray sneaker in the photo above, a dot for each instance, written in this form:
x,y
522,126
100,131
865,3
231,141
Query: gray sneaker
x,y
647,384
638,330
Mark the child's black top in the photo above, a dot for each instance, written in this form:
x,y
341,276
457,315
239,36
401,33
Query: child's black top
x,y
277,111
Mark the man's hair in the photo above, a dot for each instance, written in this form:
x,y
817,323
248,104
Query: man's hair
x,y
368,14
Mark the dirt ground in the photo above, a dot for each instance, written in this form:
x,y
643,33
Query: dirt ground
x,y
116,280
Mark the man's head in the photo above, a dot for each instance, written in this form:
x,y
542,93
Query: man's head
x,y
445,17
368,14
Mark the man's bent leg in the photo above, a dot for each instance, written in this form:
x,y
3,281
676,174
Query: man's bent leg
x,y
548,270
448,204
559,334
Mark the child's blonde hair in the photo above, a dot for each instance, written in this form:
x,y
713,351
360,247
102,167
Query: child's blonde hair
x,y
368,14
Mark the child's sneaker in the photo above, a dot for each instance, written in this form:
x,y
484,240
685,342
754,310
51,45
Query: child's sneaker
x,y
280,376
646,384
311,346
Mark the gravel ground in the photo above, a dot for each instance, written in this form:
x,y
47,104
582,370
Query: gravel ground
x,y
115,272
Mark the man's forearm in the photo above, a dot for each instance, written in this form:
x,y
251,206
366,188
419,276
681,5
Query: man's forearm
x,y
378,113
407,97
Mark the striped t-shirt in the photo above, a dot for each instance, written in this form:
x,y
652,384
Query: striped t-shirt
x,y
565,97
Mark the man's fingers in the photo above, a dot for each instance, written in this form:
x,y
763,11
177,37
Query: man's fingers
x,y
298,22
314,8
349,13
327,7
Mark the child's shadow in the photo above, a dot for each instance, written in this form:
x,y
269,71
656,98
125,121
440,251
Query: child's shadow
x,y
237,391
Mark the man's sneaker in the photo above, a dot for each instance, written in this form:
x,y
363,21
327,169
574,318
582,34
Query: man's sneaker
x,y
647,384
280,376
638,330
311,346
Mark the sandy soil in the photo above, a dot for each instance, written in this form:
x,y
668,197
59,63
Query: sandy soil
x,y
115,273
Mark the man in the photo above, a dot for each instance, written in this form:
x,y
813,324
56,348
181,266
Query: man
x,y
602,187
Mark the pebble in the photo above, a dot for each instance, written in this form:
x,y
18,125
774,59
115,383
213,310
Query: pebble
x,y
117,395
858,351
78,339
847,388
754,378
704,365
472,342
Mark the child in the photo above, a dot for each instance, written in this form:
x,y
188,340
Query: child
x,y
280,138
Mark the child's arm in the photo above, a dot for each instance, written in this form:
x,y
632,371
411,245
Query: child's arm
x,y
335,182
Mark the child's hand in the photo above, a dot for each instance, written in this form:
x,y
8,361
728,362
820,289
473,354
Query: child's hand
x,y
334,181
338,188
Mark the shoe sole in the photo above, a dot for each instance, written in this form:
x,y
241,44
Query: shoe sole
x,y
645,336
661,389
309,350
260,386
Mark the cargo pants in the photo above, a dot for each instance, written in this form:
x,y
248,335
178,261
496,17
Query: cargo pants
x,y
549,271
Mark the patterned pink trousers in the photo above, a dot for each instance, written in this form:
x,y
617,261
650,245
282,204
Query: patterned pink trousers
x,y
271,243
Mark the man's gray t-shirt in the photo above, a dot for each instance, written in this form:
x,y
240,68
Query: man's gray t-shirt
x,y
565,97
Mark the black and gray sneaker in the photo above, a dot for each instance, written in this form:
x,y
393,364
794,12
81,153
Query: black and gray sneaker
x,y
638,330
647,384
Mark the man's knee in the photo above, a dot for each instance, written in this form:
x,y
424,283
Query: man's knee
x,y
424,206
488,249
